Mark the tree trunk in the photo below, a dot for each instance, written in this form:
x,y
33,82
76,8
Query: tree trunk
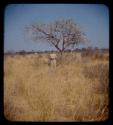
x,y
61,57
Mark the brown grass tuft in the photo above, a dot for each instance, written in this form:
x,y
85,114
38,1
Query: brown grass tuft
x,y
72,92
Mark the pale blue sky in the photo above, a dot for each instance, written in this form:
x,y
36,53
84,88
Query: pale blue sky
x,y
92,18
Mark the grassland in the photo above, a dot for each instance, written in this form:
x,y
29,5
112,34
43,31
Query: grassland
x,y
74,91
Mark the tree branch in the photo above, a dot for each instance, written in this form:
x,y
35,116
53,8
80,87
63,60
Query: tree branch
x,y
61,34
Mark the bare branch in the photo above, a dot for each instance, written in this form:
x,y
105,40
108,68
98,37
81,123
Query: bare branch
x,y
61,34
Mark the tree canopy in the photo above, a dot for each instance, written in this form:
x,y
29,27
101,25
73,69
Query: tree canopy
x,y
62,34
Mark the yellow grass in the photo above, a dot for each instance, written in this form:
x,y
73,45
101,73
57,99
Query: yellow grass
x,y
34,92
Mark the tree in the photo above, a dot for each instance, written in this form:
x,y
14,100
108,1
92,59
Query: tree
x,y
62,34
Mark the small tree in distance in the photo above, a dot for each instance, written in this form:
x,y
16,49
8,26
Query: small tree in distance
x,y
62,34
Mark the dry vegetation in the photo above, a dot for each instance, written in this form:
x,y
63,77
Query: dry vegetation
x,y
74,91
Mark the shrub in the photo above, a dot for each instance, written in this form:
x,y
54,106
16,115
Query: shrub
x,y
91,72
104,77
99,72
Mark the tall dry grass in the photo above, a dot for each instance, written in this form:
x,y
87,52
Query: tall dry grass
x,y
71,92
